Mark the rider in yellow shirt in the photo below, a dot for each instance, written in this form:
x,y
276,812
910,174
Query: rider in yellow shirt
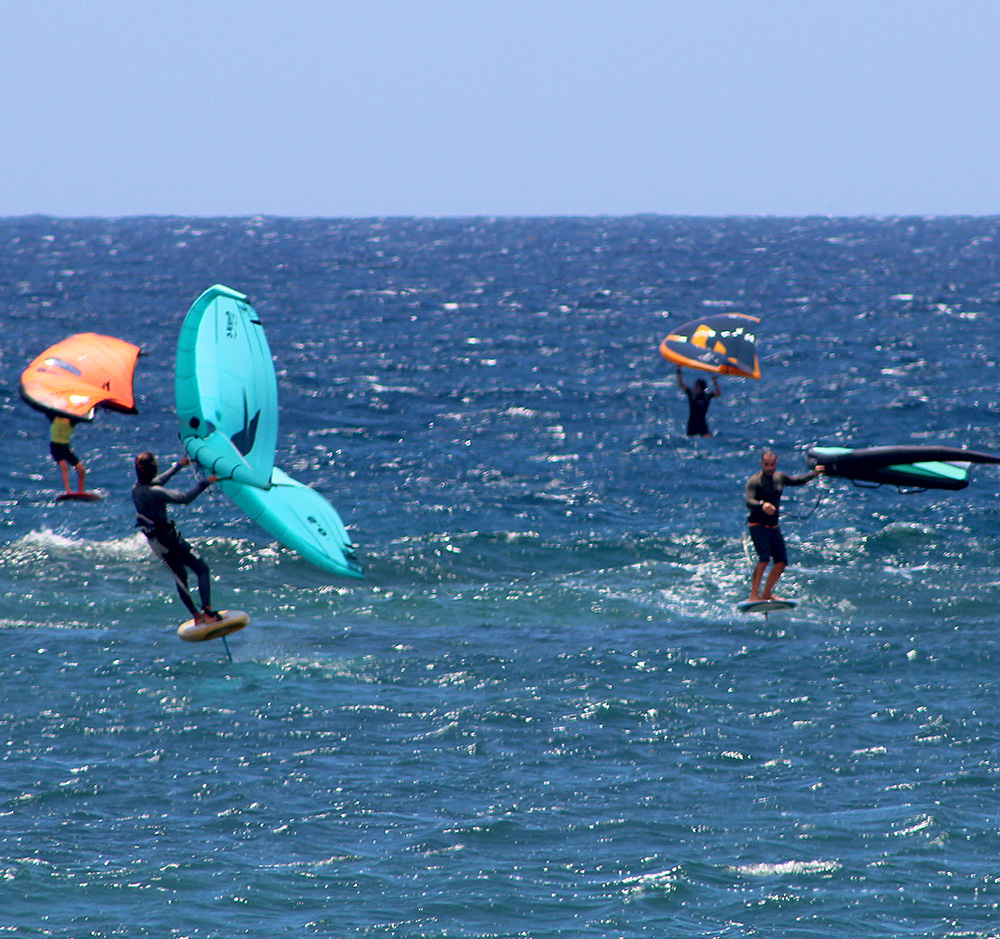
x,y
61,431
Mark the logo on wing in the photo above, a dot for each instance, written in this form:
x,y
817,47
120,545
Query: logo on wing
x,y
244,439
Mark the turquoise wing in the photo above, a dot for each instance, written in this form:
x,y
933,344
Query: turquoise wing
x,y
226,390
301,519
921,466
227,408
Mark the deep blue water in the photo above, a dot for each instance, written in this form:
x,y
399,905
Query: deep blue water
x,y
539,715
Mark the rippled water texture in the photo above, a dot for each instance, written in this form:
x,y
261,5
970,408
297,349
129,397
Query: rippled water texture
x,y
539,715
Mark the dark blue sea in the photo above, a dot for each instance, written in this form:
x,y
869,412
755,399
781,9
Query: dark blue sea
x,y
539,715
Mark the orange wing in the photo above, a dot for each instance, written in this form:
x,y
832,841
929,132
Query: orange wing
x,y
723,344
81,373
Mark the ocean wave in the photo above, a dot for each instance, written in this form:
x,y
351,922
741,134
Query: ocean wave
x,y
665,881
786,868
43,543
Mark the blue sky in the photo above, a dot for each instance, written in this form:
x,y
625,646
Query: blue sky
x,y
499,107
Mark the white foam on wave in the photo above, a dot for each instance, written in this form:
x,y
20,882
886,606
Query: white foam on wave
x,y
49,543
45,538
665,880
787,868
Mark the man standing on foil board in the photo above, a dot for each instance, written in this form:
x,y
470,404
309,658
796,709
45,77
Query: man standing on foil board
x,y
763,494
151,500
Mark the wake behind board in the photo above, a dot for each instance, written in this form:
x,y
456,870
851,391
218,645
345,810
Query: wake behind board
x,y
231,621
765,606
79,497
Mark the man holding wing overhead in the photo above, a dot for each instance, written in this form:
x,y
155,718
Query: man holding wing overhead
x,y
698,402
723,344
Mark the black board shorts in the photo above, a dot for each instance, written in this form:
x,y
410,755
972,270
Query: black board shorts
x,y
62,451
770,544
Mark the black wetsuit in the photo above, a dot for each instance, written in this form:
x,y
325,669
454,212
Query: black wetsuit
x,y
764,530
698,402
151,501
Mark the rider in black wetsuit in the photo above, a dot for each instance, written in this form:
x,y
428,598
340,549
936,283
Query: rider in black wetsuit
x,y
151,501
763,493
698,402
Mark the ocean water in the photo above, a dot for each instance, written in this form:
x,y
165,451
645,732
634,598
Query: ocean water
x,y
539,715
